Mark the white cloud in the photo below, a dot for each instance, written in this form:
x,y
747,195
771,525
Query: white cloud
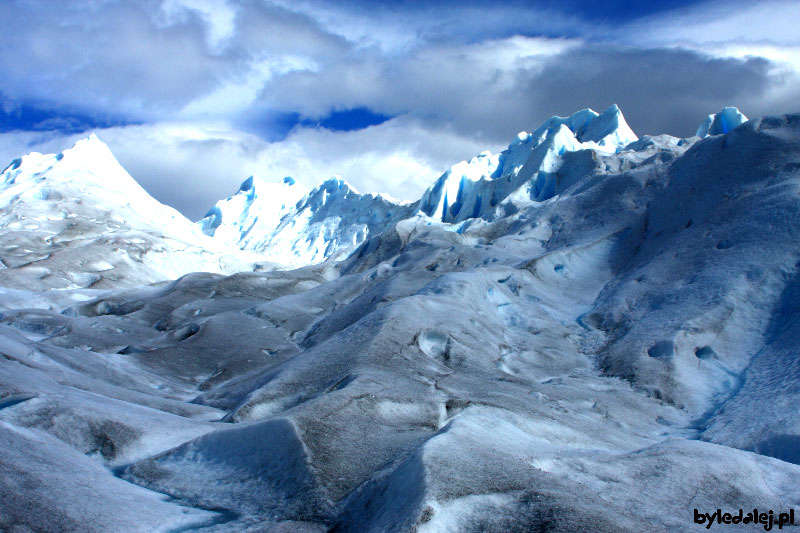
x,y
149,59
219,16
242,90
765,26
400,157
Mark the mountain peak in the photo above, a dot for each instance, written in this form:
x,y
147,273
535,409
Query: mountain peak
x,y
473,188
577,123
91,147
253,182
609,130
255,201
291,228
88,162
90,219
246,185
335,183
721,123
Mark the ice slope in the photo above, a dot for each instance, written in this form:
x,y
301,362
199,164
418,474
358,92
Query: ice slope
x,y
77,219
699,285
532,161
283,226
49,486
248,218
607,360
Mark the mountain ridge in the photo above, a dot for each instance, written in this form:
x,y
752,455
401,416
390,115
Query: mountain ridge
x,y
284,225
452,198
469,189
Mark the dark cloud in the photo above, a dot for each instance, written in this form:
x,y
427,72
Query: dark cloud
x,y
262,27
659,91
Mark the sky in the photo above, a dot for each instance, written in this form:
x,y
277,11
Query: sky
x,y
194,96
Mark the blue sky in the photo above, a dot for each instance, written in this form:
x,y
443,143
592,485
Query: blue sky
x,y
193,96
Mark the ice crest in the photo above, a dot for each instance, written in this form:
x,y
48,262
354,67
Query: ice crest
x,y
285,223
256,206
721,123
476,187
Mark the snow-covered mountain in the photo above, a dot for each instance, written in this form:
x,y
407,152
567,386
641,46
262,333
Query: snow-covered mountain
x,y
281,224
77,219
532,161
608,352
272,219
248,218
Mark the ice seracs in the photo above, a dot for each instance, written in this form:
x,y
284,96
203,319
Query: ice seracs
x,y
722,122
331,218
608,132
474,189
295,231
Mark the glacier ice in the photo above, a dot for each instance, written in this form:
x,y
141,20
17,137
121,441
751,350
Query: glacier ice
x,y
256,206
273,220
285,224
533,160
721,123
78,220
610,345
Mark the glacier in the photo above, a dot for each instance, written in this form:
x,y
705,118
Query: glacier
x,y
78,220
722,122
286,224
278,222
474,189
589,331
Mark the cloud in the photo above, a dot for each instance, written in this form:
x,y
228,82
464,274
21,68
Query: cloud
x,y
718,21
659,90
493,88
469,87
397,28
244,61
727,28
218,15
151,59
109,56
